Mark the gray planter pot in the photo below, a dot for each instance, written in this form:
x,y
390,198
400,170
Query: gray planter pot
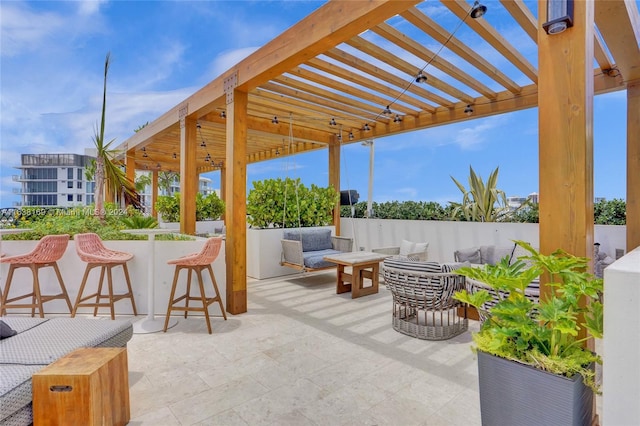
x,y
516,394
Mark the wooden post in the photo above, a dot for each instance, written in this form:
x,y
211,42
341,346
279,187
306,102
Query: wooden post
x,y
154,193
236,200
223,186
334,180
130,166
633,165
188,175
565,99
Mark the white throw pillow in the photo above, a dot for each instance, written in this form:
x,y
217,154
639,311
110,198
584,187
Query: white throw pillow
x,y
406,247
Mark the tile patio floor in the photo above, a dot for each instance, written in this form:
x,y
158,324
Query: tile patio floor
x,y
301,355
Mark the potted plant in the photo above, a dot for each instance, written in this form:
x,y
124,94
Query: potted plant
x,y
533,365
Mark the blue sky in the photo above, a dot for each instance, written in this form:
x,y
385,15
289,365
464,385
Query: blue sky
x,y
51,65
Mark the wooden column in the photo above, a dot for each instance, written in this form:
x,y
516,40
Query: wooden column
x,y
633,165
154,193
130,166
188,175
236,200
565,100
223,186
334,180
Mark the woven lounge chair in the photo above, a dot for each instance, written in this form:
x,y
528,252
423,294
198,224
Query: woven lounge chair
x,y
423,303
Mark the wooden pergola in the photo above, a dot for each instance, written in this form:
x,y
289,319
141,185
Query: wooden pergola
x,y
350,60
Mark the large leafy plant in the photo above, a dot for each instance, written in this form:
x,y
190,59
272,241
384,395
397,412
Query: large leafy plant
x,y
542,332
483,201
288,203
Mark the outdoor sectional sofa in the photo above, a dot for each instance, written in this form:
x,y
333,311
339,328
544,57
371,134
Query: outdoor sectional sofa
x,y
38,343
478,256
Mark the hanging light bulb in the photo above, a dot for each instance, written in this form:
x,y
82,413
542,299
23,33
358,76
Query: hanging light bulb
x,y
351,136
158,165
339,137
477,10
274,120
198,125
366,127
277,152
203,144
468,110
223,114
397,119
421,78
387,110
175,155
332,122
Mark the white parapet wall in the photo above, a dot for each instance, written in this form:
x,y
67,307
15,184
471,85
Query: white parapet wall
x,y
445,237
72,270
621,342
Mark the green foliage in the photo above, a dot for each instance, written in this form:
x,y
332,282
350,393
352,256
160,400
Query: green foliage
x,y
542,333
612,212
412,210
482,202
207,208
142,181
78,220
527,214
140,222
210,207
289,204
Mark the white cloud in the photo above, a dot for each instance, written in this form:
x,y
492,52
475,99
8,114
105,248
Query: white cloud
x,y
227,59
90,7
23,30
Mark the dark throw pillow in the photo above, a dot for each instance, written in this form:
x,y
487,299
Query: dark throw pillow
x,y
6,331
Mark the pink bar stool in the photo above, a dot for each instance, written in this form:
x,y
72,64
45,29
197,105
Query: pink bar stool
x,y
90,249
196,262
47,252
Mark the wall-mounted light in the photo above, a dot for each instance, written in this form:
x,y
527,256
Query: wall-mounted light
x,y
559,16
468,110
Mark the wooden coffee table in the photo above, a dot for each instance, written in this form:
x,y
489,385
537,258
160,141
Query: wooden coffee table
x,y
363,265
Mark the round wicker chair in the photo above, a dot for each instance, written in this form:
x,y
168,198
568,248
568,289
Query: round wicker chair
x,y
423,303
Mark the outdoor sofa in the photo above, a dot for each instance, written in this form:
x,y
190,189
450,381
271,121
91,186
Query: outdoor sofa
x,y
491,254
38,342
305,248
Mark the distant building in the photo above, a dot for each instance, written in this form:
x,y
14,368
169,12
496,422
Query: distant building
x,y
515,202
54,180
204,187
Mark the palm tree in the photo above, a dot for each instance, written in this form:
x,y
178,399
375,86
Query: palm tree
x,y
107,172
479,201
